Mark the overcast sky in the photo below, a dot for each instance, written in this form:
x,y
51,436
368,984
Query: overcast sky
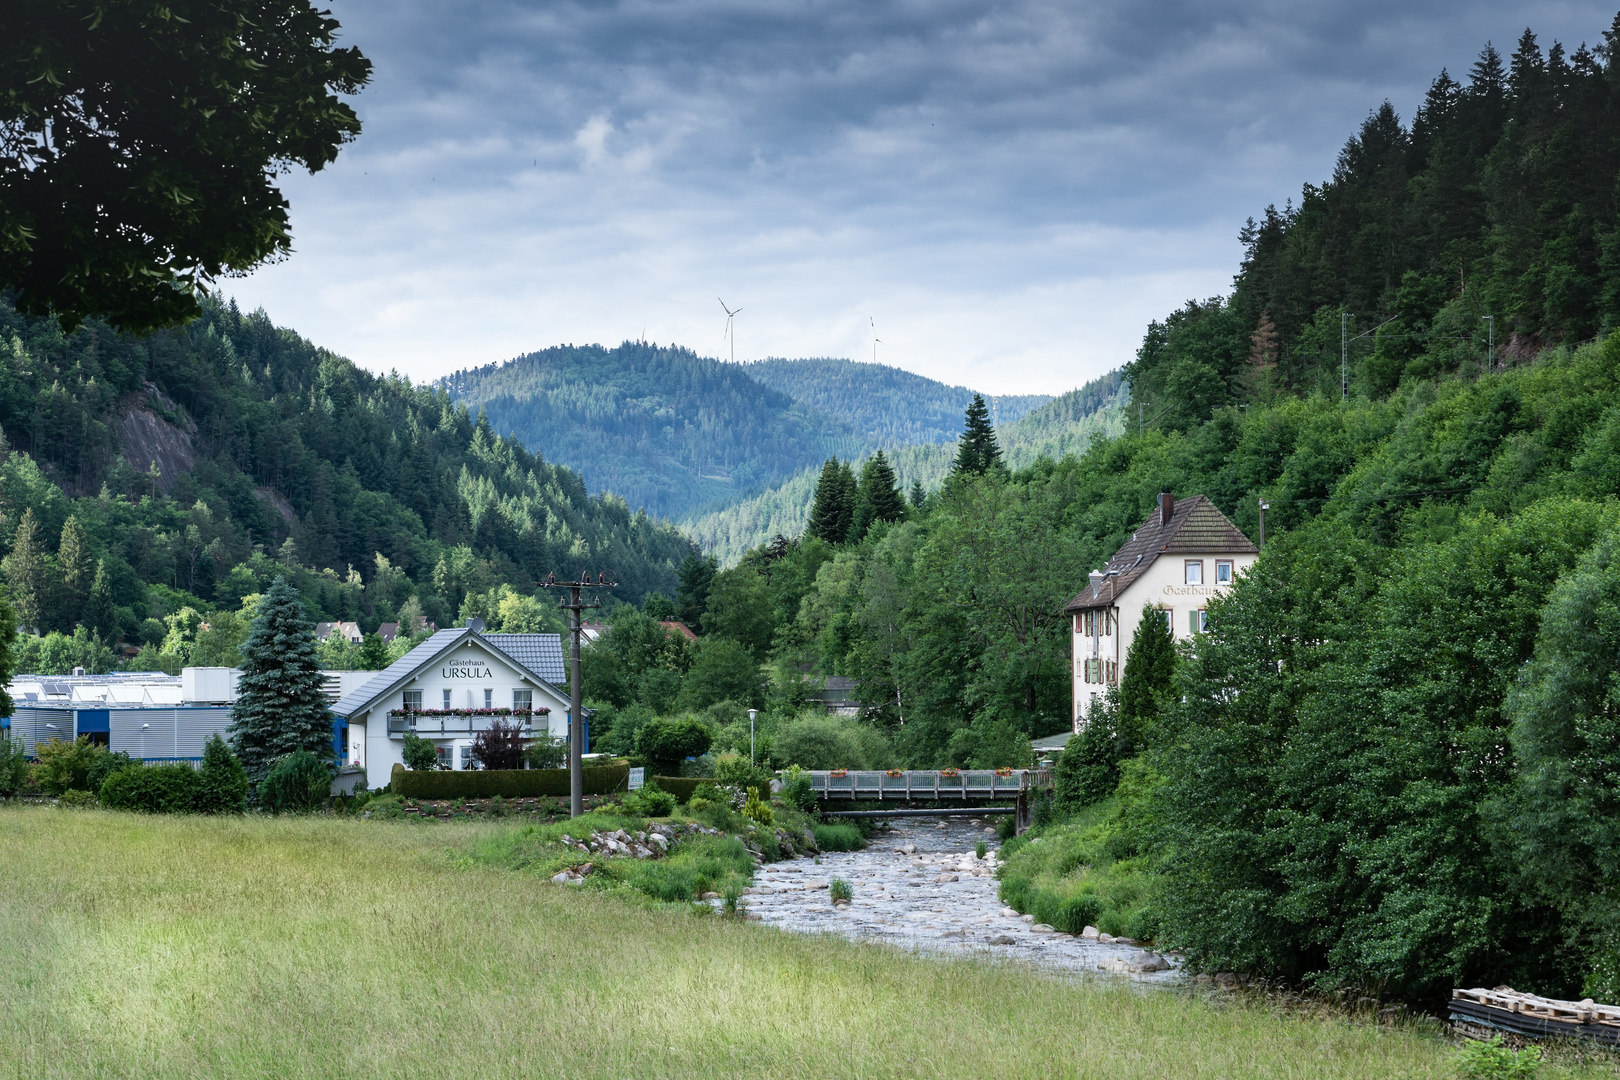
x,y
1010,189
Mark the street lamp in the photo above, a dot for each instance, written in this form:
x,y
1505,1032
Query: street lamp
x,y
751,714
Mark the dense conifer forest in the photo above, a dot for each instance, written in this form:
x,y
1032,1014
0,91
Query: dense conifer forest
x,y
148,482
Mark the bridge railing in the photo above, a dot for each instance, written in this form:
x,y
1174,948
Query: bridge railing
x,y
927,784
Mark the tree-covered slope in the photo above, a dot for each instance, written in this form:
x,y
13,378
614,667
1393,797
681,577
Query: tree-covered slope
x,y
663,428
887,406
197,463
1064,425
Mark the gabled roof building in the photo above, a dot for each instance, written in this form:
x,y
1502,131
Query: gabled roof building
x,y
1183,555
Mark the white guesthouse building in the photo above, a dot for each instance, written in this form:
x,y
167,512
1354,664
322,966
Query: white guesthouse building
x,y
1183,555
449,688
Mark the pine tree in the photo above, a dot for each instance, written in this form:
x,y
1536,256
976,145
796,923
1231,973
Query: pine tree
x,y
73,559
695,578
24,569
977,451
98,607
919,495
833,512
280,708
1150,665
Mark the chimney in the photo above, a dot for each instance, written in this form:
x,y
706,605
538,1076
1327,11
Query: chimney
x,y
1096,582
476,625
1167,507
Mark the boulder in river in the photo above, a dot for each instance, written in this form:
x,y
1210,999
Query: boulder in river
x,y
1090,933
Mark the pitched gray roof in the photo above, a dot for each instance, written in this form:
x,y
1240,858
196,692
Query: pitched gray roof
x,y
539,654
1195,527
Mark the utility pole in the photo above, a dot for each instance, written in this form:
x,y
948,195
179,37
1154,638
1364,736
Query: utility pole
x,y
574,604
1344,356
1490,330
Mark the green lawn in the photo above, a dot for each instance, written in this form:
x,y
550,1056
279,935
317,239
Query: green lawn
x,y
177,947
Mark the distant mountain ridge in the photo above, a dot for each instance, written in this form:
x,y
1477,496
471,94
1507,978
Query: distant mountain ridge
x,y
679,434
1064,425
888,405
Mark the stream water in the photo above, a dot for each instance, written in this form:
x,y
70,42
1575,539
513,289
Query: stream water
x,y
918,884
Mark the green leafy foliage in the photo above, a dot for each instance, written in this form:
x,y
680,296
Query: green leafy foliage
x,y
649,800
125,226
836,837
222,783
665,743
14,767
839,891
65,766
499,746
1489,1059
152,789
298,783
420,754
514,784
1087,771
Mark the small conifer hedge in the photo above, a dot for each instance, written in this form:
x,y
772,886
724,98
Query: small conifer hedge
x,y
507,783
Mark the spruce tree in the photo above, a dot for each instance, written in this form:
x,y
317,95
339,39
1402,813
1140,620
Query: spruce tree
x,y
919,495
24,568
833,512
1150,665
73,559
977,451
280,708
98,607
694,580
879,497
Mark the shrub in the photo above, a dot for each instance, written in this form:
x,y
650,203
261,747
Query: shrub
x,y
546,753
736,772
499,746
1490,1060
666,743
838,890
980,849
758,810
105,766
821,742
650,801
509,783
685,787
65,766
838,837
1087,771
297,783
797,790
152,789
420,755
222,783
14,767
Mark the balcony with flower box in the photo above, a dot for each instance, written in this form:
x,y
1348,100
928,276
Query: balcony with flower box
x,y
451,723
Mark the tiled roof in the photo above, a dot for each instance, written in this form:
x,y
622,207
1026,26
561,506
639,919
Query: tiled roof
x,y
1196,527
540,654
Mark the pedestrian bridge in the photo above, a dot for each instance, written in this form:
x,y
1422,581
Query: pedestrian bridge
x,y
907,784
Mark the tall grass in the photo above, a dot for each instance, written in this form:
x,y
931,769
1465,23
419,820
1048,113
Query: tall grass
x,y
142,946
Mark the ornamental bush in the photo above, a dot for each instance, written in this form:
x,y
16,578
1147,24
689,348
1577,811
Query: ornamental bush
x,y
152,789
420,754
666,743
650,801
499,746
297,783
222,783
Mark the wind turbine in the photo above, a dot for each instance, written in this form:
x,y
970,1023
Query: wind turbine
x,y
729,316
876,341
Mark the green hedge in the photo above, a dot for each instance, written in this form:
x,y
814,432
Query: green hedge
x,y
681,786
507,783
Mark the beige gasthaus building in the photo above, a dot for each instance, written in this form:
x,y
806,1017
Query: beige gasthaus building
x,y
1184,554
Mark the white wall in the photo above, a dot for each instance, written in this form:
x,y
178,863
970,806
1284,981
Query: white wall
x,y
1164,586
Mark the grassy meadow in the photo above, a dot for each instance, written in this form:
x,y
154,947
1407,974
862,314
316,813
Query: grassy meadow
x,y
138,946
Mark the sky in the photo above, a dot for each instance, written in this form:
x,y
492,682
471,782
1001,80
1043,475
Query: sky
x,y
994,193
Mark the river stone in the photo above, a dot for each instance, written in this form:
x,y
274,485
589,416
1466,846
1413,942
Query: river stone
x,y
1151,962
990,831
562,879
1126,941
1003,939
1008,913
1106,939
815,883
1089,933
1042,928
1027,918
946,877
710,896
955,933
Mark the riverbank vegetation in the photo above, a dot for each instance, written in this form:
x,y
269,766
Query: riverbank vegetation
x,y
142,946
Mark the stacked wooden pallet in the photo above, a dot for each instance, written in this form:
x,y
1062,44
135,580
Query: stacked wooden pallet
x,y
1529,1014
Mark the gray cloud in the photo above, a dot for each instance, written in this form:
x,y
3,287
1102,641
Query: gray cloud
x,y
1012,188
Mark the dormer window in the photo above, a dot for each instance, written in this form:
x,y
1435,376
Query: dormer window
x,y
1194,571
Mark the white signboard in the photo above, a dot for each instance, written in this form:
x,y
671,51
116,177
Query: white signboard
x,y
637,776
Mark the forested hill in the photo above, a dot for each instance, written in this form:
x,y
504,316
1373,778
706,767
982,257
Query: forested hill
x,y
888,406
1063,426
1491,216
664,428
272,456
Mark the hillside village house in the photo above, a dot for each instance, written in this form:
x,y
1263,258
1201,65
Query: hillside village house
x,y
447,689
1184,554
